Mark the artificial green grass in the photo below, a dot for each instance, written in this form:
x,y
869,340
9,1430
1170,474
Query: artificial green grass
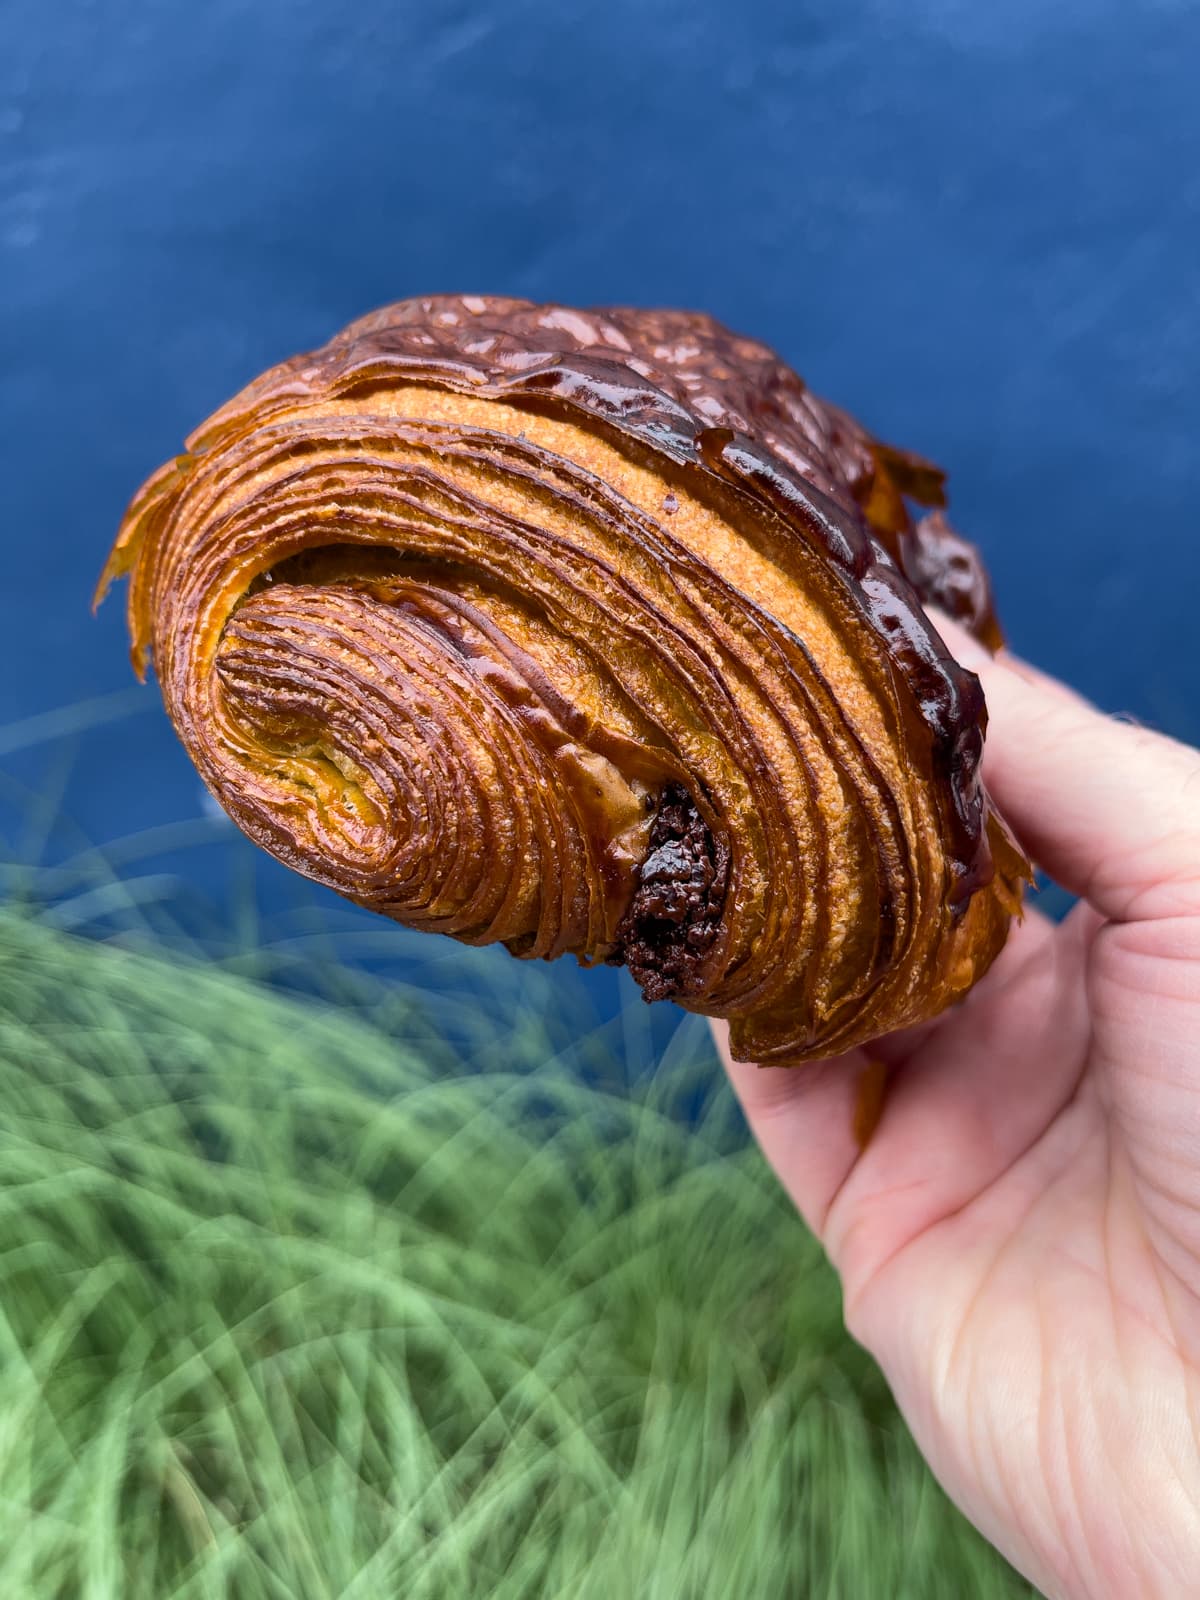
x,y
296,1304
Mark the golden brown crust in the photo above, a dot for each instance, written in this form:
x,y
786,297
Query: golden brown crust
x,y
589,632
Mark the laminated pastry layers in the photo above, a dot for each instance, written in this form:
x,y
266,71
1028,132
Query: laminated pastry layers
x,y
590,632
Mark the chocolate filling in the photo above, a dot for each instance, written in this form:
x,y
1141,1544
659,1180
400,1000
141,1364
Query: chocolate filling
x,y
675,914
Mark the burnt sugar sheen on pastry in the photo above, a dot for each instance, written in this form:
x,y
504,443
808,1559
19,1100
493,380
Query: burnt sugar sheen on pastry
x,y
590,632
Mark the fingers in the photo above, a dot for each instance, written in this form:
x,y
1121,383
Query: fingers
x,y
1110,810
989,1080
964,1093
804,1121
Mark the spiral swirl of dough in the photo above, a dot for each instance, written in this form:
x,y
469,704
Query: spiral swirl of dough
x,y
589,633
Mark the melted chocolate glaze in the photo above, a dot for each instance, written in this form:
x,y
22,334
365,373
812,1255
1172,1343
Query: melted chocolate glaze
x,y
945,571
722,407
675,914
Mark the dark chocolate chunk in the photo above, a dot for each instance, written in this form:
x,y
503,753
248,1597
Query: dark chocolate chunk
x,y
675,914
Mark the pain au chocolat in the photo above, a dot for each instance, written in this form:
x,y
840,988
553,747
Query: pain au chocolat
x,y
590,632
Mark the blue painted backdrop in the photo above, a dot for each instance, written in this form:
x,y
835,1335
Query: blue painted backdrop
x,y
977,225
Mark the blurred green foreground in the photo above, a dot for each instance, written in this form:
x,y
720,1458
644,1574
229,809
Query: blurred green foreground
x,y
297,1303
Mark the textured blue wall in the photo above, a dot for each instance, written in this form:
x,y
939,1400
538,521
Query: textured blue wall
x,y
977,225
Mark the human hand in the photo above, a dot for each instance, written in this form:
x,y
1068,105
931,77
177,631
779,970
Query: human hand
x,y
1019,1242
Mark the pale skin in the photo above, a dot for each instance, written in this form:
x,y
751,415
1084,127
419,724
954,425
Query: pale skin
x,y
1019,1241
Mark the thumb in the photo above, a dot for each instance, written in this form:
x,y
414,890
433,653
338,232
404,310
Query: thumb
x,y
1109,809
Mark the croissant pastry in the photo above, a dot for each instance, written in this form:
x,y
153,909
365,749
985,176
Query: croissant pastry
x,y
590,632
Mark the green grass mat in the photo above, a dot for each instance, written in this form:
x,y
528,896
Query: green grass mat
x,y
292,1307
